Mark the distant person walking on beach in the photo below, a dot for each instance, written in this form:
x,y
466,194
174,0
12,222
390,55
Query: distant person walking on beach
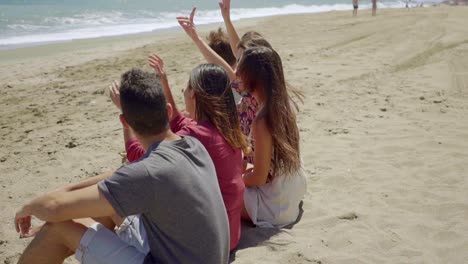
x,y
355,7
374,7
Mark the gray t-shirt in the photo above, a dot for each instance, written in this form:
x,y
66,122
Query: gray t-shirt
x,y
175,189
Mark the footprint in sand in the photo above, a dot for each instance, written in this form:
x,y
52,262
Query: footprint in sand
x,y
336,131
348,216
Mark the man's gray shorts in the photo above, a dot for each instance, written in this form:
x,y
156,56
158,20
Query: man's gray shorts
x,y
128,245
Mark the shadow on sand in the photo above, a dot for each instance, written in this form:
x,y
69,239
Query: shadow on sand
x,y
252,236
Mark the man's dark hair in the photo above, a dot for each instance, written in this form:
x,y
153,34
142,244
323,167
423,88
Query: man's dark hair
x,y
143,102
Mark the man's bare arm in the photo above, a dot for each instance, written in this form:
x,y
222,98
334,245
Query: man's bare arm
x,y
62,206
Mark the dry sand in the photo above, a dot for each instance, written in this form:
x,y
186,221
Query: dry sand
x,y
384,130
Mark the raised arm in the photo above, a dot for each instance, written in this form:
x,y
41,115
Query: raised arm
x,y
158,65
132,146
210,55
179,121
225,6
114,92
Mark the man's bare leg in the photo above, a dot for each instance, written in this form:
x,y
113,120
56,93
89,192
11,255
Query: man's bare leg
x,y
110,222
55,242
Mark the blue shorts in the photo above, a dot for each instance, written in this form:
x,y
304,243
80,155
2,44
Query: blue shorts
x,y
128,245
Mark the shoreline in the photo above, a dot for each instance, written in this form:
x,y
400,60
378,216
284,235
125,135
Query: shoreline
x,y
173,28
129,41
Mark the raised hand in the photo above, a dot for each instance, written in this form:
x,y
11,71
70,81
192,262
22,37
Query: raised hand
x,y
225,6
158,65
187,24
114,91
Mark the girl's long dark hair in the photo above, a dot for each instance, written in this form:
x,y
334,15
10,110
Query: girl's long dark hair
x,y
215,102
254,39
261,68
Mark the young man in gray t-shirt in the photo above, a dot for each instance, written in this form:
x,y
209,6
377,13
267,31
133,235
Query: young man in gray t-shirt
x,y
167,207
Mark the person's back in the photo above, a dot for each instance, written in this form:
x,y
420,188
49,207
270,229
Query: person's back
x,y
228,165
209,99
164,208
276,185
215,124
185,218
227,161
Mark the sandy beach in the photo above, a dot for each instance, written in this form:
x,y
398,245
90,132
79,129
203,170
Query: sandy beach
x,y
384,130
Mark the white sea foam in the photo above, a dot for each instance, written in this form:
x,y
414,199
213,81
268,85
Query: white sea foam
x,y
102,24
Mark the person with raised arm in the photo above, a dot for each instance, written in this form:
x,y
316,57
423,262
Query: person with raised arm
x,y
210,56
155,202
214,122
276,184
247,107
225,6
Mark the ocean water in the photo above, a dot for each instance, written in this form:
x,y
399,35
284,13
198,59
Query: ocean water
x,y
34,21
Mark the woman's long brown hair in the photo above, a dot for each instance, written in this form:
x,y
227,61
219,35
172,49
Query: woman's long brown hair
x,y
215,102
261,68
254,39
